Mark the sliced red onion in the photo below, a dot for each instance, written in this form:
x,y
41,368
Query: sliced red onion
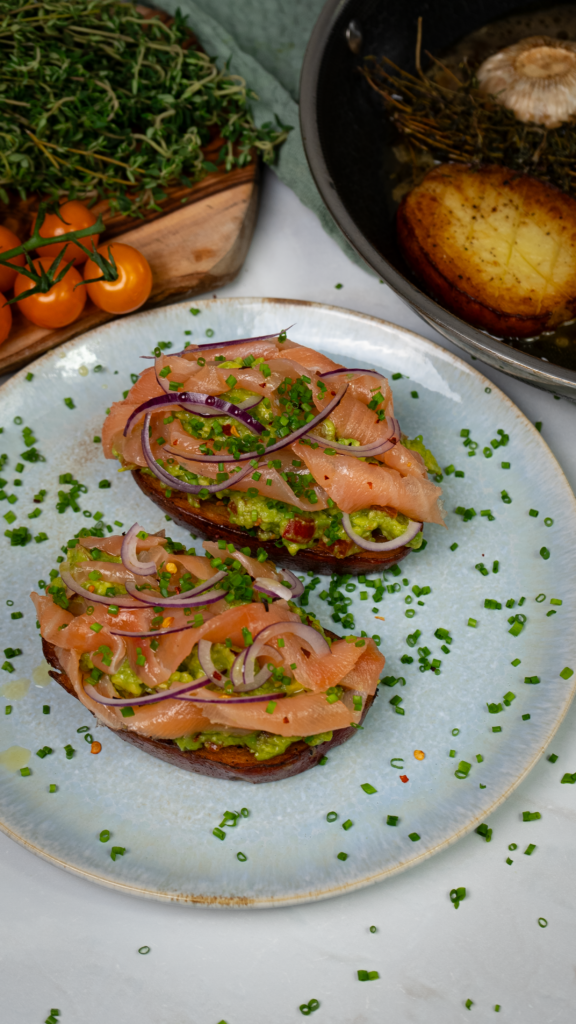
x,y
199,596
181,485
282,443
237,671
316,641
363,450
296,586
226,344
151,632
207,665
121,600
265,585
235,700
250,403
355,370
411,531
198,402
129,556
152,698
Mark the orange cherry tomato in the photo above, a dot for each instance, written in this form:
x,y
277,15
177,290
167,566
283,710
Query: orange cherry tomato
x,y
58,307
72,216
5,319
133,285
8,240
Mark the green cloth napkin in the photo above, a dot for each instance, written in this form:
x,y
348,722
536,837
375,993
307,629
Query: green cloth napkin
x,y
265,41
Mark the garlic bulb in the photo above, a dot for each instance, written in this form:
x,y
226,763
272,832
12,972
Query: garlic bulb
x,y
535,78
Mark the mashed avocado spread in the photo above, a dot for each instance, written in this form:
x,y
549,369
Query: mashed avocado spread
x,y
262,744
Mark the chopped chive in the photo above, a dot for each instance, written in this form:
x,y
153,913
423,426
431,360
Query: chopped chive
x,y
525,718
342,856
392,819
332,816
368,788
413,836
117,851
347,824
530,849
566,673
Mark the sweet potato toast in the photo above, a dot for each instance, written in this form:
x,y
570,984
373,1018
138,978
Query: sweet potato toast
x,y
495,247
232,763
212,521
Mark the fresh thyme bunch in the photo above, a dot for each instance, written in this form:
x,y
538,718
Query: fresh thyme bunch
x,y
94,98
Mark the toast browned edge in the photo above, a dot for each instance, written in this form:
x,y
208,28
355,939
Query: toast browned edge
x,y
419,260
232,763
212,521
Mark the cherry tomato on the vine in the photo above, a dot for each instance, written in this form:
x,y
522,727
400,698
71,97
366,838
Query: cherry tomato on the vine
x,y
131,288
8,240
5,319
71,216
59,306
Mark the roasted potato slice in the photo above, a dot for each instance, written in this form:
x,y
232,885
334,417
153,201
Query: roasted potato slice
x,y
495,247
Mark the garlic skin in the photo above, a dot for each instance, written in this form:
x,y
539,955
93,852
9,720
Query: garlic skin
x,y
535,78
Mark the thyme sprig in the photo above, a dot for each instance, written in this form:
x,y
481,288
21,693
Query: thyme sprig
x,y
95,100
460,123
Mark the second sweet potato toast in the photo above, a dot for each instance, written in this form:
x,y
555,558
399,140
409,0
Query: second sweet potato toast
x,y
276,448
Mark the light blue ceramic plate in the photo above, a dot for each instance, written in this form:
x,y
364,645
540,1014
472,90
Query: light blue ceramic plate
x,y
164,816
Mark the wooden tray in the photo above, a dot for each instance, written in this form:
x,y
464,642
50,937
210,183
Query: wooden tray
x,y
197,242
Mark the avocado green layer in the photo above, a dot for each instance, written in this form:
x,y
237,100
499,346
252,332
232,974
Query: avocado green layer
x,y
262,744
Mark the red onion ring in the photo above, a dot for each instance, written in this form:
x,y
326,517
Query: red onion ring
x,y
269,587
355,369
152,632
297,587
199,403
201,595
207,665
152,698
121,600
181,485
363,450
235,700
129,557
226,344
316,641
282,443
412,530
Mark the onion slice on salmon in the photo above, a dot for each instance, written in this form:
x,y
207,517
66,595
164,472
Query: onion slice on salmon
x,y
152,698
181,485
362,450
228,344
121,600
411,531
200,595
128,554
284,442
314,639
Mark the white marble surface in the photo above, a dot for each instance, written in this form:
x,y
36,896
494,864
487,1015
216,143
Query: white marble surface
x,y
68,944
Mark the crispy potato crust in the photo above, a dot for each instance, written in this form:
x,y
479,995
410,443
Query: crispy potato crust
x,y
496,248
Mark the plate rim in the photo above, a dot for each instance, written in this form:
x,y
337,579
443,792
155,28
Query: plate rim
x,y
256,903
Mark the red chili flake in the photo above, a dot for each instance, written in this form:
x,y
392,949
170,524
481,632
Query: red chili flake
x,y
299,530
403,778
